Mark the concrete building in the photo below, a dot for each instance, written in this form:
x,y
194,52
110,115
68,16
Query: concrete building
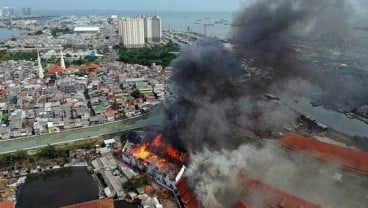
x,y
26,11
7,12
131,32
152,29
86,30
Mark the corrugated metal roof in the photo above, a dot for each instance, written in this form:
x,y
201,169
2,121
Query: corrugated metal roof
x,y
350,158
241,204
272,196
9,204
86,29
100,203
187,195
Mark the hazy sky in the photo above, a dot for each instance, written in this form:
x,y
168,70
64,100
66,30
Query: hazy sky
x,y
170,5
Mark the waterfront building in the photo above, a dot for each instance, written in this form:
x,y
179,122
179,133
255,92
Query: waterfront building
x,y
131,32
26,11
7,12
152,29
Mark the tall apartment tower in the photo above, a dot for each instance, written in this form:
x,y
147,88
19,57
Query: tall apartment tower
x,y
8,12
131,32
152,29
26,11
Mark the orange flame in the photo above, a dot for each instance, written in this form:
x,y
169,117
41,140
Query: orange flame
x,y
158,141
143,151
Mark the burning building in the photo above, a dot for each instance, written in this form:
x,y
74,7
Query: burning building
x,y
187,195
164,162
241,204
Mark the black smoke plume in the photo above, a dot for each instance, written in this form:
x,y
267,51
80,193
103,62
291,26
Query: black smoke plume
x,y
213,97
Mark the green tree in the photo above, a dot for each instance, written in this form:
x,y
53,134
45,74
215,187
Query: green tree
x,y
137,94
49,152
161,55
20,155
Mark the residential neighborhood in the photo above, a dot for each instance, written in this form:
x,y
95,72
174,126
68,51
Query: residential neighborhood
x,y
74,97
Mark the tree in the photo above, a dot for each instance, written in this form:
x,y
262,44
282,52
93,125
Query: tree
x,y
161,55
136,94
20,155
49,152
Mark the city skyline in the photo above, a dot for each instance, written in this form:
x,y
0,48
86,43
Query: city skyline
x,y
143,5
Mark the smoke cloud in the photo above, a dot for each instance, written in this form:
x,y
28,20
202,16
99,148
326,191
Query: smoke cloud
x,y
215,106
215,176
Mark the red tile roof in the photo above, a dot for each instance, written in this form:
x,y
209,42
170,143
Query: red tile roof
x,y
100,203
348,157
55,69
9,204
241,204
149,190
187,195
273,197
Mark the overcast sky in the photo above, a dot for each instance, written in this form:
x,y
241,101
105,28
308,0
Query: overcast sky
x,y
147,5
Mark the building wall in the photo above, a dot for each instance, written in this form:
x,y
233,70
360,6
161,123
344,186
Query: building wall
x,y
7,12
148,29
152,29
156,29
26,11
131,32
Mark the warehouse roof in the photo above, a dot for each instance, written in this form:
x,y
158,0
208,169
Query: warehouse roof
x,y
348,157
241,204
100,203
86,29
187,194
272,196
9,204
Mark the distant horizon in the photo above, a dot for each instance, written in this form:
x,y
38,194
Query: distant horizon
x,y
132,10
82,12
144,5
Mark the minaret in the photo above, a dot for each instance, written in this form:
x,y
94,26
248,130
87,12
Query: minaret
x,y
62,62
40,69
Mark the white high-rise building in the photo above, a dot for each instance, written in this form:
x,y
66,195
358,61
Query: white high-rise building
x,y
8,12
148,29
26,11
152,29
131,32
156,28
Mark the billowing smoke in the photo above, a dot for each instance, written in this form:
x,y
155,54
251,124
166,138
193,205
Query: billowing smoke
x,y
215,106
215,175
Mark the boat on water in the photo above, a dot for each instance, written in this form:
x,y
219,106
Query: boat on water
x,y
350,115
21,181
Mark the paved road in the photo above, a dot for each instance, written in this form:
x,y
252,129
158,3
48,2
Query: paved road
x,y
43,140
